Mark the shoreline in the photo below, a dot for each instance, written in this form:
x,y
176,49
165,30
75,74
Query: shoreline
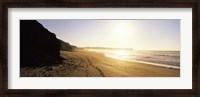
x,y
81,63
147,63
157,64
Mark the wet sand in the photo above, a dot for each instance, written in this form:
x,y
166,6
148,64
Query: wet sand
x,y
81,63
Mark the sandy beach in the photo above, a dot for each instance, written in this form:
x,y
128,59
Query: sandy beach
x,y
81,63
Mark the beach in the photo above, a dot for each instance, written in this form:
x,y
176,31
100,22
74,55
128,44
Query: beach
x,y
83,63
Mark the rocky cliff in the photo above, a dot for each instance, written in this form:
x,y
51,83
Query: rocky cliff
x,y
66,46
38,46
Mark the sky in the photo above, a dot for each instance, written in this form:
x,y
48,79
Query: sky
x,y
135,34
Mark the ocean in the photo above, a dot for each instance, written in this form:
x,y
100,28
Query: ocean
x,y
170,59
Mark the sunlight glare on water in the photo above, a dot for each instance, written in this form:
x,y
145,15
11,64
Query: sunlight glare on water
x,y
120,52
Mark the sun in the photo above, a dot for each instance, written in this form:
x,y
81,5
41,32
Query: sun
x,y
123,32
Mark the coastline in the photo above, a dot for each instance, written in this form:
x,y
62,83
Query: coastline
x,y
81,63
148,63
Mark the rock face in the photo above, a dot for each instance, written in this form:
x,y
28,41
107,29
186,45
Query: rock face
x,y
38,46
66,46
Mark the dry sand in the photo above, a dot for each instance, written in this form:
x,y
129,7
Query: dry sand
x,y
80,63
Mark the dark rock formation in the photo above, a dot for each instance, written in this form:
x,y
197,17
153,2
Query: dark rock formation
x,y
66,46
38,46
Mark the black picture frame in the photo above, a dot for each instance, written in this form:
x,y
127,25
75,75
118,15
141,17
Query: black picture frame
x,y
194,4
